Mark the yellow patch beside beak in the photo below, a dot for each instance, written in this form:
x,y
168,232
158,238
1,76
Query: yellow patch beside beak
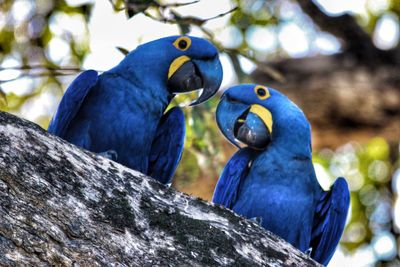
x,y
176,64
264,114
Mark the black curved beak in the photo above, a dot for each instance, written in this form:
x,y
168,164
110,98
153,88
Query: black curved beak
x,y
250,125
251,130
186,75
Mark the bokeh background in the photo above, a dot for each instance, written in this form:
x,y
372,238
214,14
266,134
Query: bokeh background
x,y
338,60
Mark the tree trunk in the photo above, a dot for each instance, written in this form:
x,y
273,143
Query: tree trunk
x,y
62,206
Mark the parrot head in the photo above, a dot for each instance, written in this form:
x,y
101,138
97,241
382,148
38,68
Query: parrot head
x,y
257,116
179,64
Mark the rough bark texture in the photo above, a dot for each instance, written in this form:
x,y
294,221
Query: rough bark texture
x,y
61,206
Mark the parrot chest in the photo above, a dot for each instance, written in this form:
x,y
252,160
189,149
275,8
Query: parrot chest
x,y
281,197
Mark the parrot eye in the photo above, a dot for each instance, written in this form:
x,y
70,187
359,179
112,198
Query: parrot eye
x,y
183,43
262,92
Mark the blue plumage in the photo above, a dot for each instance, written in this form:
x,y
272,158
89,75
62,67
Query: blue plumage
x,y
168,144
234,173
72,101
120,113
272,178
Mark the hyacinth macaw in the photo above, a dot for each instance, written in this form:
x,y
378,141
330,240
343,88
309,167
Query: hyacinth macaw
x,y
121,113
271,178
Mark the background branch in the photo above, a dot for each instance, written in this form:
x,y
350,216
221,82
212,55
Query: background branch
x,y
354,39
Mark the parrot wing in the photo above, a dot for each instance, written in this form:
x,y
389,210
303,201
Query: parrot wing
x,y
166,150
71,102
228,185
329,221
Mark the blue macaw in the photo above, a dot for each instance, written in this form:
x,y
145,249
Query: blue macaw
x,y
121,113
271,178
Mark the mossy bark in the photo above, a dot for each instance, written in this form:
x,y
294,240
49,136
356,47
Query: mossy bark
x,y
62,206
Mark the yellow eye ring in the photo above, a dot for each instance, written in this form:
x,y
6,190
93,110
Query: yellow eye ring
x,y
262,92
183,43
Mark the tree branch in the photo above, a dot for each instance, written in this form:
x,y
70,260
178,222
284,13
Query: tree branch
x,y
355,40
41,71
33,67
188,20
176,4
127,4
60,205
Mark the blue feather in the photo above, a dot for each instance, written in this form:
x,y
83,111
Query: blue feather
x,y
329,221
71,102
228,186
167,148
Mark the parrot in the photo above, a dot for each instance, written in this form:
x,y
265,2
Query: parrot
x,y
122,113
271,178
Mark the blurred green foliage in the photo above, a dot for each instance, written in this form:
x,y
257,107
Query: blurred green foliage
x,y
368,169
25,40
26,34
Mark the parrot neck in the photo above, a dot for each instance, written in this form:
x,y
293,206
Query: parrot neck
x,y
292,133
293,141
